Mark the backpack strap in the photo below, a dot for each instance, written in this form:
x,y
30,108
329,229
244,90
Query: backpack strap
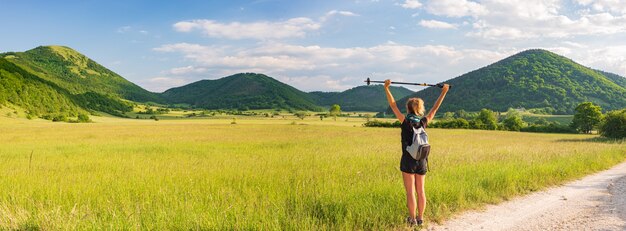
x,y
414,120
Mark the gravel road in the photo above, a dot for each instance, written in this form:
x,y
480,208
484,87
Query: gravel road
x,y
596,202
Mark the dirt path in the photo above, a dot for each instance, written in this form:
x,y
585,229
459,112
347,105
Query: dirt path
x,y
596,202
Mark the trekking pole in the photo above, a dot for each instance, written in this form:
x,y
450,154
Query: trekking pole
x,y
440,85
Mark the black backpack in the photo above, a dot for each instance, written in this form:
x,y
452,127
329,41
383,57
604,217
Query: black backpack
x,y
420,148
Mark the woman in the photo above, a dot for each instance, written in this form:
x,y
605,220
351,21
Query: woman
x,y
413,171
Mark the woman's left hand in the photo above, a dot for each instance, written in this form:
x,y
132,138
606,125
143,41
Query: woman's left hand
x,y
387,83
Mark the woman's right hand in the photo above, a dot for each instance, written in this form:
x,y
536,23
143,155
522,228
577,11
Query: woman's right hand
x,y
445,87
387,83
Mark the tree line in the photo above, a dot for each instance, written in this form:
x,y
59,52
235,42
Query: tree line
x,y
587,117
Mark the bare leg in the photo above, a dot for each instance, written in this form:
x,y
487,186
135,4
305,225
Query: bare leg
x,y
409,186
421,195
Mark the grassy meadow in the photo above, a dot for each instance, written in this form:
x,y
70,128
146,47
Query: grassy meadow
x,y
264,174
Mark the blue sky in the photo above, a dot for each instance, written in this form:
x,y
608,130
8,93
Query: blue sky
x,y
316,45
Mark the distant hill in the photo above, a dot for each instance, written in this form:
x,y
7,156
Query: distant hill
x,y
42,98
529,79
78,74
56,80
361,98
51,81
21,88
241,91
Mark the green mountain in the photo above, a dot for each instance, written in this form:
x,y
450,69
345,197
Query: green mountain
x,y
42,98
529,79
53,81
361,98
36,96
78,74
241,91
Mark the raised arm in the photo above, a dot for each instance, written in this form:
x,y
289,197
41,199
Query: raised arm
x,y
392,102
431,113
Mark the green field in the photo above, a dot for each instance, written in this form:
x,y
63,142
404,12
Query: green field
x,y
264,174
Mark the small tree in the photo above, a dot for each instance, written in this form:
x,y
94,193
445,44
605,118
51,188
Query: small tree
x,y
586,117
488,119
513,120
614,124
448,115
60,117
513,123
82,118
335,110
301,114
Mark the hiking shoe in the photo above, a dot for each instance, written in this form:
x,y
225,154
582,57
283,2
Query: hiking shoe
x,y
419,222
411,221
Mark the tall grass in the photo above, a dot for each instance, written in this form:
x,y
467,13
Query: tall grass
x,y
205,174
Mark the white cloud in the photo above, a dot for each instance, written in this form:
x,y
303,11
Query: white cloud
x,y
523,19
455,8
160,84
437,24
607,58
123,29
295,27
260,30
342,13
187,70
333,13
614,6
335,68
411,4
574,44
330,83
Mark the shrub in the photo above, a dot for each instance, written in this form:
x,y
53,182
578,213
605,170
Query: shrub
x,y
513,123
83,118
59,118
301,114
614,124
549,128
488,120
453,123
334,110
377,123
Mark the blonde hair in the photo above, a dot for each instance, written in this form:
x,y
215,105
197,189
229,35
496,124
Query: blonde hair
x,y
415,106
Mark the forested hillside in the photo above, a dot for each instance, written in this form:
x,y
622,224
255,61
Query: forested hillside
x,y
42,98
78,74
361,98
529,79
241,91
57,82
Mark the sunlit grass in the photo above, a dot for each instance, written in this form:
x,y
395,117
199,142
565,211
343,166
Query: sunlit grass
x,y
263,173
